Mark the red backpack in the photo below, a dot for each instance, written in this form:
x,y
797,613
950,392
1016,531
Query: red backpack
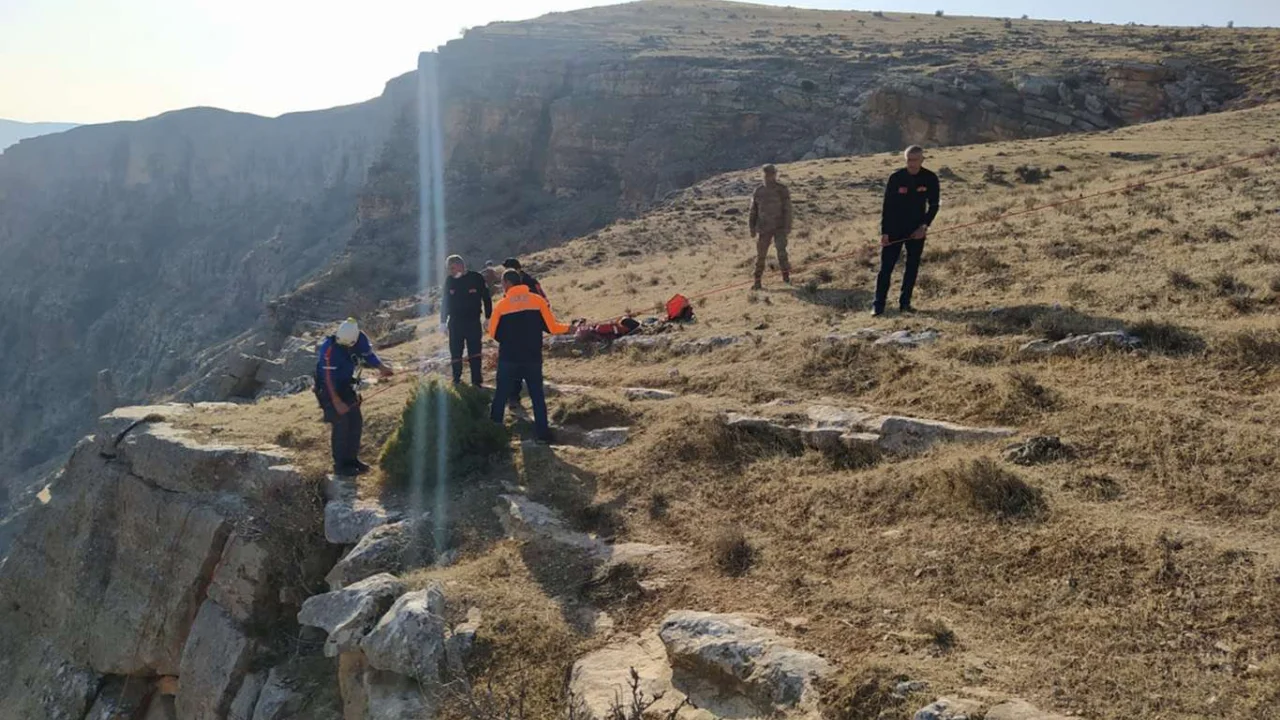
x,y
679,308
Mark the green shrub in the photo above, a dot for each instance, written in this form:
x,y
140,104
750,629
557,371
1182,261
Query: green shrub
x,y
470,439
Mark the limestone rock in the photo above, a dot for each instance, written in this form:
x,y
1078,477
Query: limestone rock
x,y
240,583
280,698
1076,344
214,662
398,335
120,698
348,614
603,677
909,338
1018,709
606,438
348,519
1037,450
947,708
460,641
649,394
389,696
246,698
389,548
410,639
728,649
909,435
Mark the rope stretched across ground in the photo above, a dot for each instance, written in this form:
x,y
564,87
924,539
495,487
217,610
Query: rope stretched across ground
x,y
1270,152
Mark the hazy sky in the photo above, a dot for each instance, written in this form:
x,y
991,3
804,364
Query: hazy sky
x,y
99,60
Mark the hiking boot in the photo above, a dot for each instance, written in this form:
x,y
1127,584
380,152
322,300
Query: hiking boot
x,y
786,278
362,467
877,312
757,285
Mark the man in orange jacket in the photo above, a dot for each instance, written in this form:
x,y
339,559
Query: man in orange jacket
x,y
519,320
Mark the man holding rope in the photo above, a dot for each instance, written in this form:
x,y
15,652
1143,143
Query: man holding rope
x,y
910,205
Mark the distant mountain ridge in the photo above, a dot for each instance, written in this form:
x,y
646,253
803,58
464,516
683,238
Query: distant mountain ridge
x,y
11,131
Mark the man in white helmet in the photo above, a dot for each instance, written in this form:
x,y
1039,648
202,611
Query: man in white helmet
x,y
338,359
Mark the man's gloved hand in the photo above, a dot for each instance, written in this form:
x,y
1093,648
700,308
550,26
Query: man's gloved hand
x,y
884,241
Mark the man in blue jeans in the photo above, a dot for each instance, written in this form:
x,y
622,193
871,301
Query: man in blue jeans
x,y
519,320
910,205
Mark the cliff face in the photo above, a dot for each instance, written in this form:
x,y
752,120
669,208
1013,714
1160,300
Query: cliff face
x,y
129,246
137,245
157,571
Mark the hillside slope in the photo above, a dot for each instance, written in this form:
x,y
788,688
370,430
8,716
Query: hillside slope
x,y
1129,575
144,243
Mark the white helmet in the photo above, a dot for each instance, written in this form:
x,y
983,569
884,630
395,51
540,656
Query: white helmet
x,y
348,332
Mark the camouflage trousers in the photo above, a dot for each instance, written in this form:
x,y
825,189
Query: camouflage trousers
x,y
763,241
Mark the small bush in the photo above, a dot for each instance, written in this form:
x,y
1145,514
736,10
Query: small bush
x,y
1098,488
937,13
1251,349
468,440
990,489
942,636
866,693
733,553
1227,284
1030,174
1182,281
659,506
1166,338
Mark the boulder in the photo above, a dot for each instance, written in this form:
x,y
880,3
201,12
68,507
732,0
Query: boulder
x,y
1037,450
389,548
214,662
389,696
410,639
909,338
246,698
728,649
398,335
280,697
602,679
460,641
649,394
606,438
347,615
347,519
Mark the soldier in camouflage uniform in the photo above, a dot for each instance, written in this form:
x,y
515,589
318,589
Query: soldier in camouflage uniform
x,y
771,223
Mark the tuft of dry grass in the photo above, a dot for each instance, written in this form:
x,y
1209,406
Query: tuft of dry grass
x,y
1167,338
1251,349
732,553
983,485
591,413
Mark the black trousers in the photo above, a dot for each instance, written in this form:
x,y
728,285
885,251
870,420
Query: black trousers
x,y
344,436
888,260
510,375
465,333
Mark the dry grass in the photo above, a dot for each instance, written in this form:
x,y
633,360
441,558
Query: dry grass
x,y
983,485
1054,575
732,553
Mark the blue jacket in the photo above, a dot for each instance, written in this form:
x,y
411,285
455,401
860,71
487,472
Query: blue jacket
x,y
336,368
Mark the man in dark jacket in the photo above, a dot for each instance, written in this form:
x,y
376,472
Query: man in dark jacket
x,y
525,278
519,320
338,361
910,205
465,295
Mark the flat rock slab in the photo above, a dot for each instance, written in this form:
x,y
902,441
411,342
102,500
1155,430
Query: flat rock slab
x,y
1077,344
599,439
728,649
1017,709
214,661
648,394
947,708
895,338
347,519
350,613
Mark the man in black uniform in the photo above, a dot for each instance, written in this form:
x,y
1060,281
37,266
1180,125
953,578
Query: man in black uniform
x,y
910,205
525,278
465,294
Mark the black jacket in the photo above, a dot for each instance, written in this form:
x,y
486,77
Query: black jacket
x,y
464,297
909,202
